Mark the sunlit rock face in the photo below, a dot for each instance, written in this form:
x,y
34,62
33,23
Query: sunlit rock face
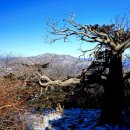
x,y
40,122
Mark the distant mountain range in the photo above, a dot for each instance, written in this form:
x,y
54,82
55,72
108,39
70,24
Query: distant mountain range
x,y
60,66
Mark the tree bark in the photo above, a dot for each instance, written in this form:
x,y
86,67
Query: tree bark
x,y
112,104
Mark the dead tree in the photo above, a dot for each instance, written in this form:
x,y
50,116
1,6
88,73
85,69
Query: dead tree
x,y
45,82
114,38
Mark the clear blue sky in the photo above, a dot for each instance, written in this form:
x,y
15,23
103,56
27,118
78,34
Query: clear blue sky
x,y
23,22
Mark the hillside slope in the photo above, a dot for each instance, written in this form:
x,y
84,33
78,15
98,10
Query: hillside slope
x,y
60,66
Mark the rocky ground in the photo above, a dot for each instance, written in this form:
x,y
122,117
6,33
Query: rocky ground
x,y
71,119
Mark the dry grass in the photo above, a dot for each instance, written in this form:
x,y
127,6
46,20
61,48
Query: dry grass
x,y
12,104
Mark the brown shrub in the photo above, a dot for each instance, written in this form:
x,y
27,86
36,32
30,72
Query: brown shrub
x,y
12,104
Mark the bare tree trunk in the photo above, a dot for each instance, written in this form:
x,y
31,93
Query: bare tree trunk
x,y
112,105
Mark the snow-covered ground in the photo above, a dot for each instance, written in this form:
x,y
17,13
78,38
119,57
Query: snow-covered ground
x,y
71,119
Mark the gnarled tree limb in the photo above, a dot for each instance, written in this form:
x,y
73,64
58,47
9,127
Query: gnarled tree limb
x,y
112,37
49,82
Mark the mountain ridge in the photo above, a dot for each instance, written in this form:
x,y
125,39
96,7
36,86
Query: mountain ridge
x,y
60,66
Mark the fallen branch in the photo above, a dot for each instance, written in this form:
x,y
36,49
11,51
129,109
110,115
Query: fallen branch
x,y
58,82
48,82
